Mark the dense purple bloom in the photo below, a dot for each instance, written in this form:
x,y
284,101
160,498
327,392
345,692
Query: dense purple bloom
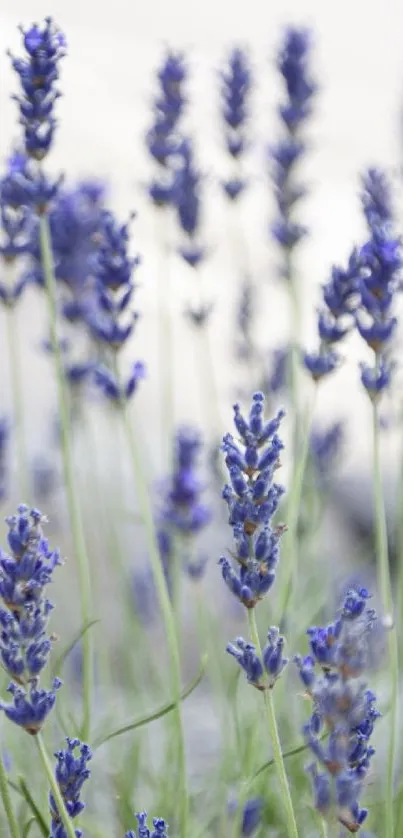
x,y
16,224
31,706
28,186
183,511
252,498
75,219
236,82
38,71
376,198
110,317
336,316
71,774
272,664
380,274
162,138
160,829
342,704
293,64
188,202
24,614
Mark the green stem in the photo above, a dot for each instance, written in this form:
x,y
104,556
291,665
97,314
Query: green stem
x,y
291,545
292,830
6,800
70,487
165,339
166,609
67,822
18,403
385,587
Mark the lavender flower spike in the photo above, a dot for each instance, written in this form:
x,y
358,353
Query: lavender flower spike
x,y
292,63
44,45
160,828
235,91
343,705
71,774
24,613
252,498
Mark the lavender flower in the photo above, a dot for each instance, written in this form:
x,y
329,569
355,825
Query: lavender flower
x,y
26,185
162,138
272,664
236,85
15,237
251,815
71,774
183,514
293,65
24,644
331,675
336,317
160,828
187,203
381,264
38,71
325,447
252,498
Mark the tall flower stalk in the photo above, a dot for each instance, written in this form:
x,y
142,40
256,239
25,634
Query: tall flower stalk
x,y
252,498
38,71
381,265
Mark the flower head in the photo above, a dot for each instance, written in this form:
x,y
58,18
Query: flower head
x,y
24,643
293,64
236,83
38,71
71,774
162,137
160,829
252,498
342,705
273,662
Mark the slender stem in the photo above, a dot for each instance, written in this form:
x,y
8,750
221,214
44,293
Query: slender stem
x,y
165,337
70,487
166,609
6,800
67,822
292,830
18,403
385,587
291,546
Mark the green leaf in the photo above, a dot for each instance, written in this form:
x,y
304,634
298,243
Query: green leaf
x,y
58,664
38,817
152,717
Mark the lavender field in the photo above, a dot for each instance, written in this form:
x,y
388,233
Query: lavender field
x,y
201,461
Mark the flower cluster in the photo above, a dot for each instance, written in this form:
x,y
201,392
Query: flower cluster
x,y
381,264
273,661
24,614
183,514
236,82
325,447
71,774
15,238
252,498
292,63
110,317
160,828
187,202
251,815
38,72
336,317
343,706
162,138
